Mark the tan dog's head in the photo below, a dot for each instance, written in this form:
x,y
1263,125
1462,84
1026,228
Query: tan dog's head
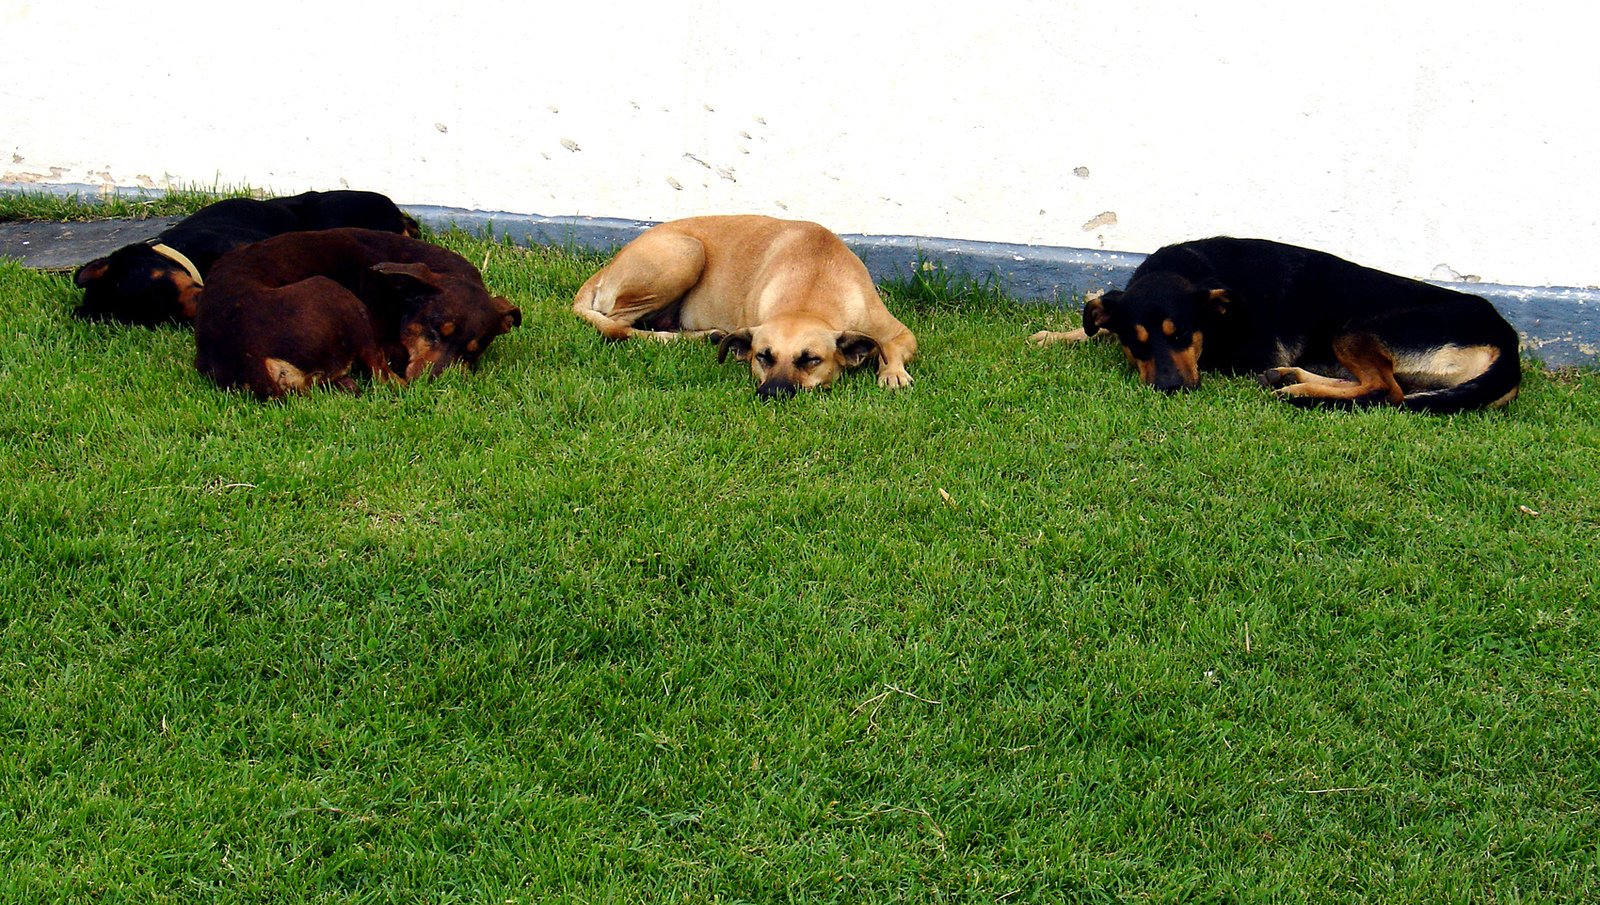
x,y
795,354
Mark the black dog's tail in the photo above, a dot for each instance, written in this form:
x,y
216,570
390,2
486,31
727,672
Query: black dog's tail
x,y
1495,387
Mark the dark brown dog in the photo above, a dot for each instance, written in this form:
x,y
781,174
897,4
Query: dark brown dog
x,y
302,309
159,281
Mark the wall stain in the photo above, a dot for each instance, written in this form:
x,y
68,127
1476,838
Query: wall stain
x,y
1109,218
55,173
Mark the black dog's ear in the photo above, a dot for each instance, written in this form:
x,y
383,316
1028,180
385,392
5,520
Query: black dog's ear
x,y
856,348
737,343
90,272
1217,297
1097,312
1212,294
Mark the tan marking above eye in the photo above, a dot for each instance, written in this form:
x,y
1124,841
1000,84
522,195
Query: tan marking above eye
x,y
447,328
472,346
1141,333
1169,328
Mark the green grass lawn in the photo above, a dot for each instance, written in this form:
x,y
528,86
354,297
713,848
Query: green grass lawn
x,y
593,624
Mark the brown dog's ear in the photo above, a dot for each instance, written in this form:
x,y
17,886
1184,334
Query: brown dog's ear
x,y
90,272
406,282
856,348
511,315
1097,312
401,274
737,343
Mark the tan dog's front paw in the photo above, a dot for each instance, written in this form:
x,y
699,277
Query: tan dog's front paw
x,y
894,378
1051,337
660,336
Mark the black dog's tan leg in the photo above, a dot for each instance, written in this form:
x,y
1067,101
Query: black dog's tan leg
x,y
1283,377
649,274
1051,337
1371,368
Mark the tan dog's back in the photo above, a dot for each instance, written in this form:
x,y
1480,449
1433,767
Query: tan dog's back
x,y
760,267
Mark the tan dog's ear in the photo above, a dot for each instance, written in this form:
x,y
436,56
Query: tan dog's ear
x,y
90,272
1096,314
856,348
737,343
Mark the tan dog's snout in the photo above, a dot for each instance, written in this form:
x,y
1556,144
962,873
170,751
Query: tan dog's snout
x,y
784,361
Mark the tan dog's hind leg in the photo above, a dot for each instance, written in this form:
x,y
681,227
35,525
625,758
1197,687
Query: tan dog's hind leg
x,y
647,275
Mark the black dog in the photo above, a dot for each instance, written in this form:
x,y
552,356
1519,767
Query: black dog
x,y
1293,315
159,281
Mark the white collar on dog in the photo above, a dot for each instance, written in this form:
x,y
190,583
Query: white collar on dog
x,y
177,257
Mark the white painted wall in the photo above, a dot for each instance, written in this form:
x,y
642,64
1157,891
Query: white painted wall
x,y
1404,135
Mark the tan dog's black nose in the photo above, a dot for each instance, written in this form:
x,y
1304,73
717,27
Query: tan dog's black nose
x,y
775,389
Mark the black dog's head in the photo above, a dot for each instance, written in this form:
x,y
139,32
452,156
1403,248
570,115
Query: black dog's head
x,y
1159,321
136,285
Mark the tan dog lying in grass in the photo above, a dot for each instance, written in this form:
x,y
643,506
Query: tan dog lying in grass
x,y
786,296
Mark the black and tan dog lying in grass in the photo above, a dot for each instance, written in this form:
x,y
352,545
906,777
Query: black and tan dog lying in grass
x,y
307,308
1321,330
786,296
159,281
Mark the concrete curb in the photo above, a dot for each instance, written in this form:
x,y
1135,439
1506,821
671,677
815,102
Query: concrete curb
x,y
1560,326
